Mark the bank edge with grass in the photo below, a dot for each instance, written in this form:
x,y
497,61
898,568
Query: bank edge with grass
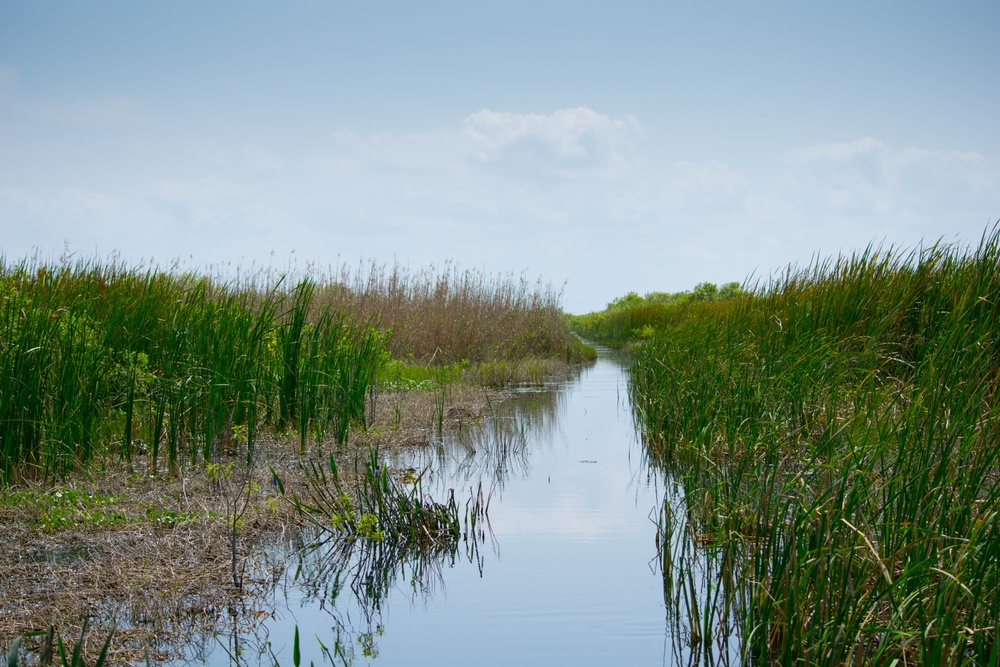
x,y
173,377
836,436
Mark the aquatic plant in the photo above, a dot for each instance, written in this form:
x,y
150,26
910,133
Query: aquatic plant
x,y
364,538
835,434
379,508
53,641
102,359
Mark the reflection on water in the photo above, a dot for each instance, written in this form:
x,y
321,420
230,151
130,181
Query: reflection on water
x,y
580,563
698,586
352,580
492,451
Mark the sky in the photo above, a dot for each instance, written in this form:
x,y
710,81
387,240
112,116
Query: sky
x,y
605,147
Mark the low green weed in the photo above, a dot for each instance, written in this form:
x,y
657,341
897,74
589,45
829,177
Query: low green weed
x,y
70,508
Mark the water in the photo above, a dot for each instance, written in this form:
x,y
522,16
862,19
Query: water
x,y
568,575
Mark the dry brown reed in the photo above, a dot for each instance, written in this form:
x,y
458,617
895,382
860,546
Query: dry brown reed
x,y
452,314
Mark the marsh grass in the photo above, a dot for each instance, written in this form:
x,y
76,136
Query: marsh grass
x,y
105,360
453,315
102,359
178,379
836,436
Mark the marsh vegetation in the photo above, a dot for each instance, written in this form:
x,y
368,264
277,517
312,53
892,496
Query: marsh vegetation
x,y
834,437
150,420
823,448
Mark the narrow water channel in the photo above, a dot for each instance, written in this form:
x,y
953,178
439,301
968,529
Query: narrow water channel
x,y
566,573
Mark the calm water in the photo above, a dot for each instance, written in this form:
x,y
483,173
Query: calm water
x,y
568,575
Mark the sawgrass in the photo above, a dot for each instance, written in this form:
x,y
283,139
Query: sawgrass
x,y
101,359
836,437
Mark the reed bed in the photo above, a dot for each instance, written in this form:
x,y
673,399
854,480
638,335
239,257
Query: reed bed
x,y
451,315
836,434
103,359
99,358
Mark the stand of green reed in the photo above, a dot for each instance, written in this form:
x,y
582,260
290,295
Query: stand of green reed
x,y
97,359
836,436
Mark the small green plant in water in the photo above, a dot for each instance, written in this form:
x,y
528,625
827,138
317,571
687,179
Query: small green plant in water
x,y
54,641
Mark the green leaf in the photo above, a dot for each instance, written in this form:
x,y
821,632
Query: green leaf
x,y
104,650
277,480
77,659
12,652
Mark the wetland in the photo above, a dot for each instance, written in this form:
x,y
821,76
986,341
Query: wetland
x,y
430,468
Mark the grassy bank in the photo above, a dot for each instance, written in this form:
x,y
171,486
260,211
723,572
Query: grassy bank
x,y
100,359
150,420
836,436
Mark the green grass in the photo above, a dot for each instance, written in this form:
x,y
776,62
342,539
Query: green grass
x,y
65,507
103,360
632,318
836,436
398,375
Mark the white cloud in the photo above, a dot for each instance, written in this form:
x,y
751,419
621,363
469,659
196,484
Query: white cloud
x,y
867,178
838,151
523,169
566,141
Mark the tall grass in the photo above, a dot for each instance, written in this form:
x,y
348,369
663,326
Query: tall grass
x,y
103,359
837,435
452,315
100,358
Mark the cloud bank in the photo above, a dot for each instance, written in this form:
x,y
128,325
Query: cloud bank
x,y
573,194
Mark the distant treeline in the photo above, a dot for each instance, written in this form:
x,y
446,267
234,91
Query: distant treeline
x,y
632,317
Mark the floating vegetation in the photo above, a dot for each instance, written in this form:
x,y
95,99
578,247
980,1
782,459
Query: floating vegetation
x,y
365,538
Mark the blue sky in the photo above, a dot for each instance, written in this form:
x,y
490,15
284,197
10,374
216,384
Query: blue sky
x,y
607,147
